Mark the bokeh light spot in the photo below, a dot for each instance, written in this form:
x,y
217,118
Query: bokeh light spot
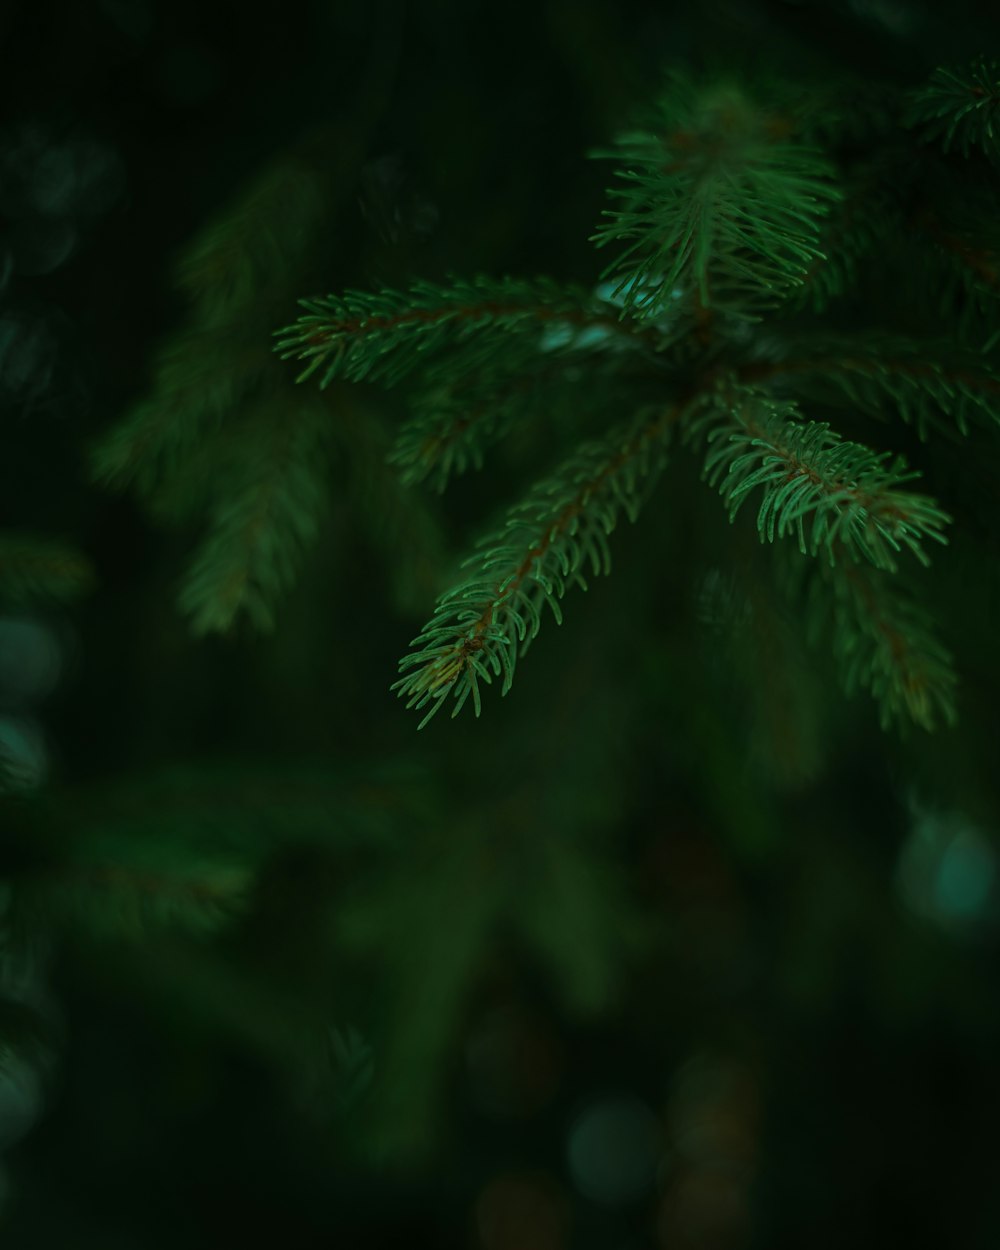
x,y
30,661
20,1099
27,356
24,757
947,870
614,1150
965,876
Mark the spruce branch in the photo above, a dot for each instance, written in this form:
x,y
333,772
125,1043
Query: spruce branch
x,y
35,568
200,377
183,845
455,420
721,206
835,496
961,108
884,641
382,336
264,234
266,514
234,273
481,627
125,898
915,380
459,409
448,432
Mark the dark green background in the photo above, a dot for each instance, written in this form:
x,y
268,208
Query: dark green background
x,y
863,1030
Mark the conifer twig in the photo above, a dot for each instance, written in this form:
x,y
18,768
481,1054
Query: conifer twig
x,y
847,495
382,336
917,380
884,642
961,108
262,521
456,419
32,567
480,628
720,205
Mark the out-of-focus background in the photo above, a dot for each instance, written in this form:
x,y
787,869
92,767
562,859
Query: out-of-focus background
x,y
614,967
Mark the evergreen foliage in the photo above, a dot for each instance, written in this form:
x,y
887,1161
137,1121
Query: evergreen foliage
x,y
744,223
34,568
960,106
218,439
723,220
676,851
180,849
481,627
847,495
886,642
275,498
723,203
383,336
932,384
731,197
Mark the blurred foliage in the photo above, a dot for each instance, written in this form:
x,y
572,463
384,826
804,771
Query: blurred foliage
x,y
275,968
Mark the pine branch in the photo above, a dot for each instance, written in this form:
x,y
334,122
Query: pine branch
x,y
266,514
199,378
915,380
118,899
462,408
264,234
455,420
33,568
885,642
481,627
181,847
449,431
383,336
720,206
836,496
237,272
961,108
